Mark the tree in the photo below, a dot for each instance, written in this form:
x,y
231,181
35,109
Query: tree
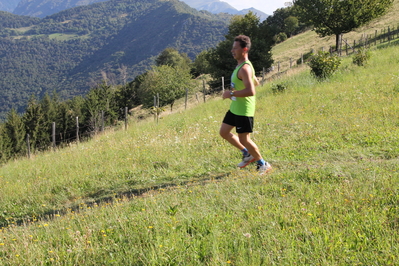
x,y
14,130
172,57
291,24
5,152
100,98
169,82
34,121
336,17
201,64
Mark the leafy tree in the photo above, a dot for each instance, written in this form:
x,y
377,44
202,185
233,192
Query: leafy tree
x,y
169,82
172,57
291,24
201,64
336,17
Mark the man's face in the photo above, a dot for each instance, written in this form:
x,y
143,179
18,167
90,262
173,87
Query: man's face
x,y
237,51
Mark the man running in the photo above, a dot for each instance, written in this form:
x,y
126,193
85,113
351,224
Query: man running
x,y
242,108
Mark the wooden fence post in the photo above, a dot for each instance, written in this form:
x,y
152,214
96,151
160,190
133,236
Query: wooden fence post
x,y
223,84
102,121
28,145
77,129
203,89
126,120
158,108
185,102
54,144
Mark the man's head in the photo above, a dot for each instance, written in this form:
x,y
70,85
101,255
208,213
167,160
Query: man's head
x,y
241,47
245,42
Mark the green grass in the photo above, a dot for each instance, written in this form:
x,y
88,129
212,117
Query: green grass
x,y
169,194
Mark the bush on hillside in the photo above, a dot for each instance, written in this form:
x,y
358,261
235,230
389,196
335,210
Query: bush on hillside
x,y
279,88
361,57
323,65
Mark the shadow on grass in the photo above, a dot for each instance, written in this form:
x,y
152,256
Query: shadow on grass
x,y
110,196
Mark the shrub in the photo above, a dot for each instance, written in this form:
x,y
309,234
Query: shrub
x,y
323,65
361,57
281,37
279,88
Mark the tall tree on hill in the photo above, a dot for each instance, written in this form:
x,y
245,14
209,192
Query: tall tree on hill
x,y
336,17
34,121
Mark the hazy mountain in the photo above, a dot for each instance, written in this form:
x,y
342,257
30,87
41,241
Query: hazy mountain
x,y
8,5
43,8
73,50
217,6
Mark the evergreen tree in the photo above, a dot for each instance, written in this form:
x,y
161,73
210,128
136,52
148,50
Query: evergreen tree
x,y
33,119
49,109
5,151
15,133
100,99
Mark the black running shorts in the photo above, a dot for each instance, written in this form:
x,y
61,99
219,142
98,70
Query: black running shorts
x,y
243,124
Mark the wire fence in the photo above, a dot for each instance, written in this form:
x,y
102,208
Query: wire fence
x,y
347,47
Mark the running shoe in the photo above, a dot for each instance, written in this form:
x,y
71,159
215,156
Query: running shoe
x,y
246,160
264,169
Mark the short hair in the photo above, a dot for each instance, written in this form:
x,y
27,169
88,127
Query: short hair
x,y
245,41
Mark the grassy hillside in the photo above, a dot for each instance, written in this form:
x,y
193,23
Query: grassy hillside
x,y
178,199
305,42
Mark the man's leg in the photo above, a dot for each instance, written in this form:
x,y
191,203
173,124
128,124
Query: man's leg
x,y
225,132
263,167
246,141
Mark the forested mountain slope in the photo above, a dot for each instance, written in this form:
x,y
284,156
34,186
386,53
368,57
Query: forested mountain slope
x,y
42,8
73,50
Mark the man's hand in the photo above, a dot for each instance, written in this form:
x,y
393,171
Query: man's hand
x,y
226,94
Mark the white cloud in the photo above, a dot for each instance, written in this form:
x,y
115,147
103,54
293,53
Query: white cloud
x,y
266,6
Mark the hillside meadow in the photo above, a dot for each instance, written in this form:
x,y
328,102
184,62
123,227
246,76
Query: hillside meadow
x,y
303,43
169,193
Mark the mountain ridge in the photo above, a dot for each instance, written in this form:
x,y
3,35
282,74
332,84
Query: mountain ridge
x,y
70,51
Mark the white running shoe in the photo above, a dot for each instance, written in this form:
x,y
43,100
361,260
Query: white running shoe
x,y
264,169
246,160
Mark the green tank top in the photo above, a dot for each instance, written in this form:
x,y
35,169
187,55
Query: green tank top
x,y
244,106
